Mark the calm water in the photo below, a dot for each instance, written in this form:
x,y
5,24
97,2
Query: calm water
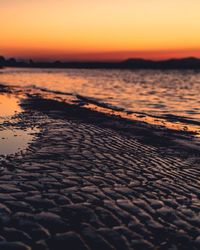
x,y
162,94
12,138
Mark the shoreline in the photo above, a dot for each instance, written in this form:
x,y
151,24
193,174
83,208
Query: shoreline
x,y
177,115
187,63
97,181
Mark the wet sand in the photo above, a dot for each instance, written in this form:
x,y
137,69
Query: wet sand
x,y
90,180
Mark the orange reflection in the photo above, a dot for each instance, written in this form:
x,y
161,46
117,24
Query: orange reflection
x,y
148,119
169,99
8,105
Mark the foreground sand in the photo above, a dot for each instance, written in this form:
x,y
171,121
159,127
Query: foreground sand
x,y
91,181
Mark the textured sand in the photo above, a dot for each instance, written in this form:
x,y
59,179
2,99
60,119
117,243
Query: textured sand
x,y
92,181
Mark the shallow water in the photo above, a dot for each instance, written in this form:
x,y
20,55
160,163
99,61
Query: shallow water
x,y
9,106
167,95
12,139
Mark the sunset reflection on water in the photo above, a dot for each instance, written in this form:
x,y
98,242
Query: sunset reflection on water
x,y
12,138
166,98
9,105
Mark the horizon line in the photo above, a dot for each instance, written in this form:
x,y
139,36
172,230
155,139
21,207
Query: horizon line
x,y
102,56
21,59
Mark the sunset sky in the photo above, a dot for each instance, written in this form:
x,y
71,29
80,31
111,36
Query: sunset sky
x,y
99,29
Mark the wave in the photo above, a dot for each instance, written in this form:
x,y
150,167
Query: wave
x,y
85,100
78,97
166,120
48,90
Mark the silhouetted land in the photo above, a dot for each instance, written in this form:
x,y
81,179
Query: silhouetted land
x,y
185,63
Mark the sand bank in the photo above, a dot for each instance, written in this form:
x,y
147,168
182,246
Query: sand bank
x,y
96,181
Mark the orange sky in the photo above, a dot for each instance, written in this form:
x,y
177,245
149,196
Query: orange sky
x,y
100,29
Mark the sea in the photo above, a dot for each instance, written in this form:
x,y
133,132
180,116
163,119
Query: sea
x,y
169,98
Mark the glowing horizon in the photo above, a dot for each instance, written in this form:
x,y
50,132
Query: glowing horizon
x,y
100,30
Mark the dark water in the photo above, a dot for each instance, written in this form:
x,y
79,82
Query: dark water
x,y
172,96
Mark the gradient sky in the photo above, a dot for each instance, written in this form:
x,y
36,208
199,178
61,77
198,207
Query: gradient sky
x,y
100,29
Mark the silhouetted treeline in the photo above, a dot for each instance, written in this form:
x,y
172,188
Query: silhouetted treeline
x,y
185,63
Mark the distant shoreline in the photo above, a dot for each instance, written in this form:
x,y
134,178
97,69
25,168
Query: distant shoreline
x,y
133,63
